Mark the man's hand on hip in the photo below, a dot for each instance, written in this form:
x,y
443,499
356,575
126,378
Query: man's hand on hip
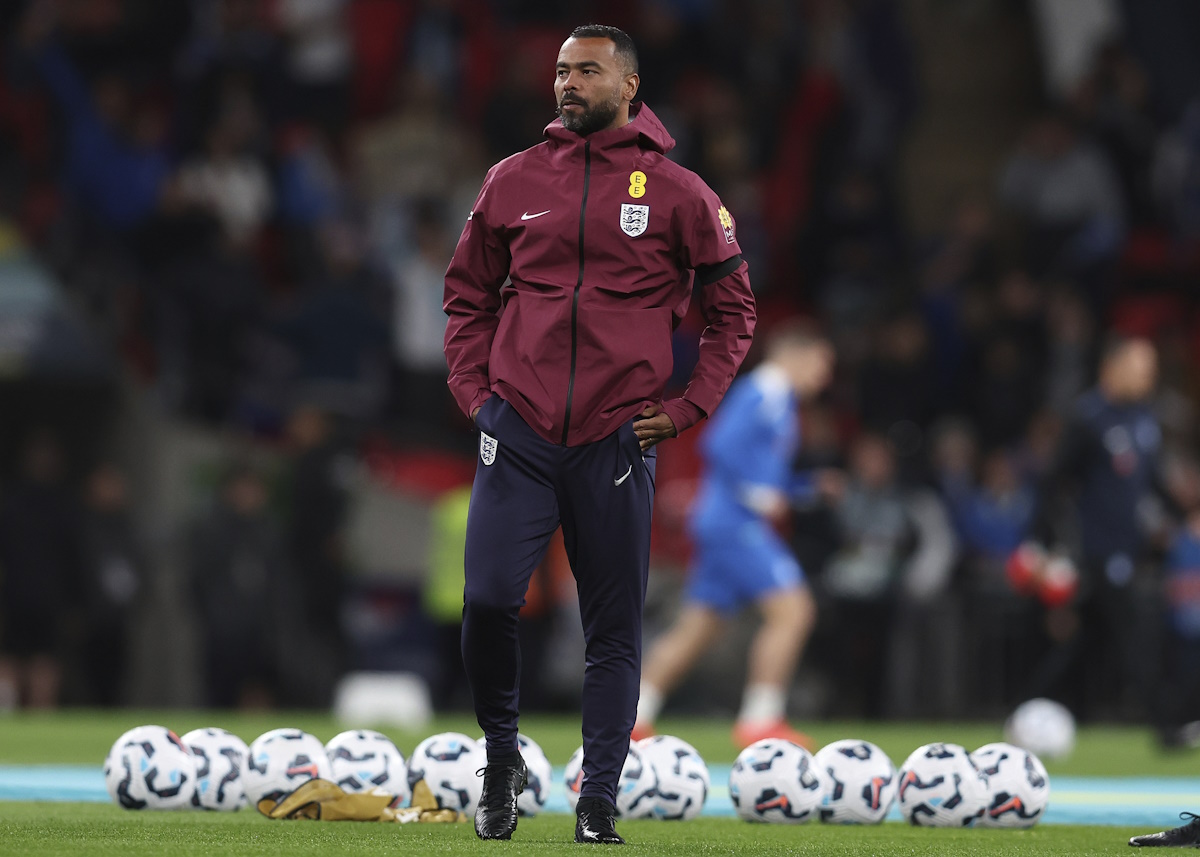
x,y
653,425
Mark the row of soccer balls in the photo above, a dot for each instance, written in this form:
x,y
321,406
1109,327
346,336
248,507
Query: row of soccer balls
x,y
848,782
854,782
149,767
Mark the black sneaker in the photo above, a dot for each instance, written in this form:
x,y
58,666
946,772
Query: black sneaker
x,y
1184,836
496,817
595,822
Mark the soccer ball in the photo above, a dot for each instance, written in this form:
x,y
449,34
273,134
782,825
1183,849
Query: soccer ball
x,y
220,759
861,784
636,789
941,787
774,780
448,763
280,761
683,779
1018,784
149,768
1042,726
541,774
573,777
363,760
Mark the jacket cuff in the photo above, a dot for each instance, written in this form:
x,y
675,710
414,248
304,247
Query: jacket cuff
x,y
683,414
482,396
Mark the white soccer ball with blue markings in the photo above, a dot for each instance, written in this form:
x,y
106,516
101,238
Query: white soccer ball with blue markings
x,y
1043,727
363,759
861,782
939,786
776,781
449,763
573,777
636,789
220,758
150,768
541,775
683,779
1018,785
280,761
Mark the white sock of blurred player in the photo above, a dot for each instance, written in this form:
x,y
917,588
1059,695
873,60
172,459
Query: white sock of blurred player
x,y
762,703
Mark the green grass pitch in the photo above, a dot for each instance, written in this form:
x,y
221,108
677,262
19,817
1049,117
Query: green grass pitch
x,y
83,738
101,830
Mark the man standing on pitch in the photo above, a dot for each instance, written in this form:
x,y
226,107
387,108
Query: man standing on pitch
x,y
575,266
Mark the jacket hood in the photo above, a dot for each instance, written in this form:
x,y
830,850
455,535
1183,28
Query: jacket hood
x,y
644,130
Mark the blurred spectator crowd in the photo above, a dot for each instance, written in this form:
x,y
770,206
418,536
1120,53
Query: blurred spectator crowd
x,y
253,203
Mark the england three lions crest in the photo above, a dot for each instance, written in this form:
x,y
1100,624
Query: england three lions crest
x,y
487,448
634,219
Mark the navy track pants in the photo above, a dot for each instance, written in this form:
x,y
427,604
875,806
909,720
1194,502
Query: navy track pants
x,y
602,494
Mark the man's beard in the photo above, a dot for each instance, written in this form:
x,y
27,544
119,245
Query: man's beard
x,y
592,118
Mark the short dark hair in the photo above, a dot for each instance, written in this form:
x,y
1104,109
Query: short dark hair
x,y
796,333
1114,345
624,46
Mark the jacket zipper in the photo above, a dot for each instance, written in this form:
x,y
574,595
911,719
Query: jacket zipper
x,y
587,176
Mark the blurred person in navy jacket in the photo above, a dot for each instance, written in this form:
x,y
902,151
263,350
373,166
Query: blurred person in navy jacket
x,y
114,576
238,571
39,575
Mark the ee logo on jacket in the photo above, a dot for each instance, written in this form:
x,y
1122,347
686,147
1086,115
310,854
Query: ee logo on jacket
x,y
637,184
635,218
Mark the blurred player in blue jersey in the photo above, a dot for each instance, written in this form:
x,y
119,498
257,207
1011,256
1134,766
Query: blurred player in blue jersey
x,y
747,489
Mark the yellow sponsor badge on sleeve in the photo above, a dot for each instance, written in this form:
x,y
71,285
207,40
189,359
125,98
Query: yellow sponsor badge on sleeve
x,y
726,219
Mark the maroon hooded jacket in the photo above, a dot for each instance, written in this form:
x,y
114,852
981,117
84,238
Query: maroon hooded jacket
x,y
598,237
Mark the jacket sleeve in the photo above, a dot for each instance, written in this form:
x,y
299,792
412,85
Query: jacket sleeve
x,y
472,300
1162,489
726,302
1077,449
